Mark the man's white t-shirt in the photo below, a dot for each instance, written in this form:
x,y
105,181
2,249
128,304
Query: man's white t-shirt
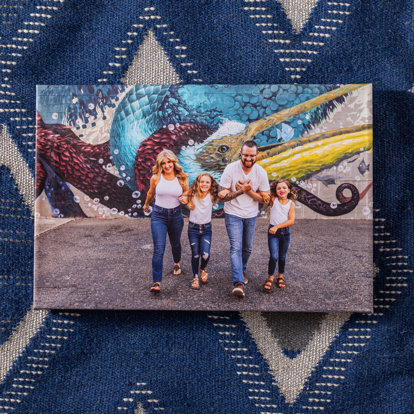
x,y
243,206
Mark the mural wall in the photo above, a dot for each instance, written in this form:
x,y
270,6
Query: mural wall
x,y
96,145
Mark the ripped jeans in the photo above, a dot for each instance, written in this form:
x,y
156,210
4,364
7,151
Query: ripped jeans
x,y
199,236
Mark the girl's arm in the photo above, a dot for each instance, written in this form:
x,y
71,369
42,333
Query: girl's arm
x,y
288,222
183,199
151,192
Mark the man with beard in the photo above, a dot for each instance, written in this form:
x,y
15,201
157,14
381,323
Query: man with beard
x,y
249,182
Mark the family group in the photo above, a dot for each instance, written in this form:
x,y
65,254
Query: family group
x,y
243,185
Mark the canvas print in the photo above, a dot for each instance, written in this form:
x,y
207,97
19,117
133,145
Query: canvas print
x,y
204,197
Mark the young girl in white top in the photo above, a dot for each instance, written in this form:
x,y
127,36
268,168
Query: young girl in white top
x,y
282,216
200,200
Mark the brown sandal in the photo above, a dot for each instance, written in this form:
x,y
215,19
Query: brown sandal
x,y
204,276
280,283
195,284
156,287
268,285
177,269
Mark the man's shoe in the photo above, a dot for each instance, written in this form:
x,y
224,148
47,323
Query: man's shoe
x,y
238,290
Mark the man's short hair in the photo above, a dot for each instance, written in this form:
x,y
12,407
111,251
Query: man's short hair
x,y
250,144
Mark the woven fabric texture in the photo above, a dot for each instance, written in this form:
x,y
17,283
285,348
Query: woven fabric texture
x,y
206,362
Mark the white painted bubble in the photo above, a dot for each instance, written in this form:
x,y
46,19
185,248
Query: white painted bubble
x,y
171,127
334,205
116,151
147,213
136,194
293,179
100,161
121,213
55,115
190,142
56,211
366,210
106,198
120,183
96,200
122,167
114,210
91,106
76,199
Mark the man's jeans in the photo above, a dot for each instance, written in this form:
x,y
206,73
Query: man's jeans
x,y
163,221
199,236
278,247
241,235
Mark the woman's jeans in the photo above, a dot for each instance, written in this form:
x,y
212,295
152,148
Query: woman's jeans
x,y
278,247
199,236
163,221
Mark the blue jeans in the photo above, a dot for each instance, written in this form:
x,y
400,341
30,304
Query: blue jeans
x,y
163,221
241,235
199,236
278,247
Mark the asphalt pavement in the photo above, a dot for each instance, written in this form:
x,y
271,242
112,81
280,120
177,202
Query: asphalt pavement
x,y
106,264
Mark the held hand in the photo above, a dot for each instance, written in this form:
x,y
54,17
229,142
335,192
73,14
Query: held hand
x,y
266,198
273,229
239,185
222,193
183,199
146,208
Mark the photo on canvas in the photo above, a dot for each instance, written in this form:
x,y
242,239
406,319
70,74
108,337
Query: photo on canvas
x,y
204,197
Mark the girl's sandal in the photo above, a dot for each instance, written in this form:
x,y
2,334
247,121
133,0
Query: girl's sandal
x,y
280,283
156,287
177,270
268,285
195,284
204,276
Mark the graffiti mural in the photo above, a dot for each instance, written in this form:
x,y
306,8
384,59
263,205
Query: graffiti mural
x,y
96,145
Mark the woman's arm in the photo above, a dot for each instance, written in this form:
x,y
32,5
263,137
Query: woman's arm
x,y
151,192
288,222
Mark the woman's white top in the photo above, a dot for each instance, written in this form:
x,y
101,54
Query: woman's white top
x,y
279,213
201,214
167,193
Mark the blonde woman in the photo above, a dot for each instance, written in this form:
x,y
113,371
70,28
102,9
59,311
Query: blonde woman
x,y
167,184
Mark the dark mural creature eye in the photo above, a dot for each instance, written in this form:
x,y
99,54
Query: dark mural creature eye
x,y
223,148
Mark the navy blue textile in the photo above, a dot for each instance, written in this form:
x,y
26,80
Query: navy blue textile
x,y
135,362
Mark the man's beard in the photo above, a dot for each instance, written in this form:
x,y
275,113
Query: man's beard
x,y
252,162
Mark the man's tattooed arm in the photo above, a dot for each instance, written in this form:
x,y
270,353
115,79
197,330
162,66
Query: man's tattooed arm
x,y
226,195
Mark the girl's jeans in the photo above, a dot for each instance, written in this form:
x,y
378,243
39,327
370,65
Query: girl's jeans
x,y
278,247
163,221
199,236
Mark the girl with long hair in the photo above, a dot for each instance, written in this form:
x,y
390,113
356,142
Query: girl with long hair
x,y
282,216
200,200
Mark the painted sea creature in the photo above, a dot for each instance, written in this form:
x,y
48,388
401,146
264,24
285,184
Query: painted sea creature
x,y
327,180
147,121
363,167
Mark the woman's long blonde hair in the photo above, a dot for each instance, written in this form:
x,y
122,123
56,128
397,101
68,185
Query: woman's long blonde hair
x,y
178,170
196,191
